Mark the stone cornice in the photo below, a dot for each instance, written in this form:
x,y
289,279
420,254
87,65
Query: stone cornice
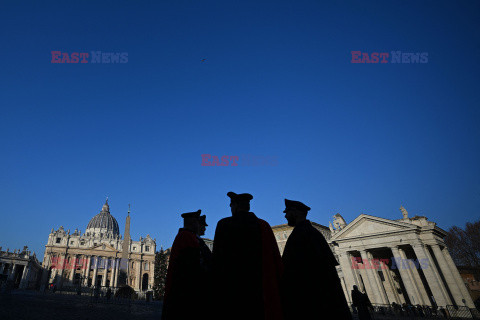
x,y
374,235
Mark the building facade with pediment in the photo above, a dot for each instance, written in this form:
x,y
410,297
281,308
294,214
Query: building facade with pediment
x,y
92,258
401,261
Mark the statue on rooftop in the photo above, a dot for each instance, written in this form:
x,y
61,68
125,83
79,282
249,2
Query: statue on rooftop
x,y
339,222
404,212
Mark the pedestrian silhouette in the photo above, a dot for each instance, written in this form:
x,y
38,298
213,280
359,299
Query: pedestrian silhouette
x,y
396,307
247,265
310,284
96,291
185,275
362,303
108,294
420,311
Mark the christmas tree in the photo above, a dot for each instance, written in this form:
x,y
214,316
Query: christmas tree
x,y
160,274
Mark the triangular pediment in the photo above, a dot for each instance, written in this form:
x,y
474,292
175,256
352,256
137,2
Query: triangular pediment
x,y
366,225
104,247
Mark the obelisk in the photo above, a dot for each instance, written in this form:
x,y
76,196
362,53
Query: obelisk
x,y
123,275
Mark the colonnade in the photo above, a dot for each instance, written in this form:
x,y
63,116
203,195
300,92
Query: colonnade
x,y
435,274
11,271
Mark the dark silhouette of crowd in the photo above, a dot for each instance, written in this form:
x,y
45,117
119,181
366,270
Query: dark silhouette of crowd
x,y
245,277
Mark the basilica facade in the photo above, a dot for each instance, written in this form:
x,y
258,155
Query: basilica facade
x,y
401,261
97,257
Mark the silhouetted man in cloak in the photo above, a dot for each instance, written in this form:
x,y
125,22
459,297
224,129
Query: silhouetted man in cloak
x,y
186,276
247,265
311,287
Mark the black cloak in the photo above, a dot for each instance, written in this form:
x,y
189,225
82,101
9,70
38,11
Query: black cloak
x,y
311,287
186,279
246,269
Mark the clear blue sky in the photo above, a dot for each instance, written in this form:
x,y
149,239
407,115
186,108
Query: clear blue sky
x,y
277,81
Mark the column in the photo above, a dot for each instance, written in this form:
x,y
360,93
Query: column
x,y
356,274
55,267
45,271
346,265
95,270
139,275
342,281
387,274
468,298
355,267
129,271
72,266
63,258
83,269
434,280
406,264
377,280
105,272
117,266
87,270
24,281
112,278
372,288
405,276
12,273
453,278
448,275
418,282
